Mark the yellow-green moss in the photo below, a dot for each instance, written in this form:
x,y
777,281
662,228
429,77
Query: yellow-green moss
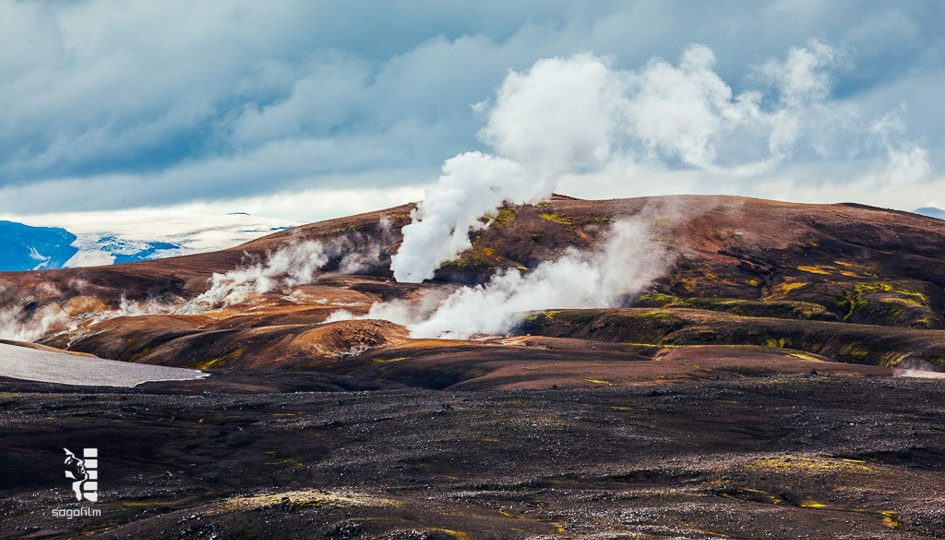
x,y
854,349
389,360
652,314
747,308
211,362
893,359
805,356
809,465
823,270
503,217
856,299
784,288
919,297
687,284
309,497
891,520
458,535
476,257
556,218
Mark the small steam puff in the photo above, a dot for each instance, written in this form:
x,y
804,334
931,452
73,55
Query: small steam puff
x,y
298,263
568,117
626,261
19,324
15,325
295,264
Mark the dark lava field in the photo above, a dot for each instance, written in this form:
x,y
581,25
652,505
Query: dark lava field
x,y
776,457
782,378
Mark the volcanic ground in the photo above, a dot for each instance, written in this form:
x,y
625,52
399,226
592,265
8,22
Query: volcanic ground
x,y
781,379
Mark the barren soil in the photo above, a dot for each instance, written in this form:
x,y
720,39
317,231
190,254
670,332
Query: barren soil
x,y
773,457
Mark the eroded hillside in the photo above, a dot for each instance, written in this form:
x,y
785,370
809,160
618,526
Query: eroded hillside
x,y
799,283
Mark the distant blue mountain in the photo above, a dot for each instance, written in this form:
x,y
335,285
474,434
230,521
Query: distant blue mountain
x,y
94,243
33,248
930,211
23,247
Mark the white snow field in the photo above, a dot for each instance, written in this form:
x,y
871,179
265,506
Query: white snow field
x,y
62,368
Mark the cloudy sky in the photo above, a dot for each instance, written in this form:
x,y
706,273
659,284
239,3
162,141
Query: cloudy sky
x,y
313,109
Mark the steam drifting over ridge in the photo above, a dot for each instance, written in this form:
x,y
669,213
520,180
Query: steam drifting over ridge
x,y
297,263
537,138
566,117
627,260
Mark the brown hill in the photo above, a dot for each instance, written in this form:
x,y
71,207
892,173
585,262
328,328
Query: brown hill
x,y
846,282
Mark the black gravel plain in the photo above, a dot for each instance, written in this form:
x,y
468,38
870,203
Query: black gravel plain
x,y
769,457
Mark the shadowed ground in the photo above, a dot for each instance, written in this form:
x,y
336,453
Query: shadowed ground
x,y
774,457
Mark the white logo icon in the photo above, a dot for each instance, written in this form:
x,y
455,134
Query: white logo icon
x,y
84,473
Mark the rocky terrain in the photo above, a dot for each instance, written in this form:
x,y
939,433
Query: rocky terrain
x,y
848,283
758,457
781,378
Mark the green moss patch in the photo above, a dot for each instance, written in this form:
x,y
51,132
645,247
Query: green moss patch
x,y
556,218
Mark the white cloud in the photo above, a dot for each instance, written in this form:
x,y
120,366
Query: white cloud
x,y
140,104
565,119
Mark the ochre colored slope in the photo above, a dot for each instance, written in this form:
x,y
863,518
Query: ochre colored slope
x,y
841,282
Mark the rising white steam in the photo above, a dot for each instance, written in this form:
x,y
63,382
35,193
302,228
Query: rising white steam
x,y
537,138
17,325
625,262
20,324
297,263
581,117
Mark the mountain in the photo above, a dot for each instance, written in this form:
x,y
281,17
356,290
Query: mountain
x,y
23,247
32,248
930,211
126,237
851,287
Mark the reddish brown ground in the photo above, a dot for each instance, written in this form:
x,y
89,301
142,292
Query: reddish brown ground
x,y
746,394
755,287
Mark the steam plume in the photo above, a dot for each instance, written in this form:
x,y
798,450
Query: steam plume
x,y
294,264
625,262
17,325
298,263
567,117
536,139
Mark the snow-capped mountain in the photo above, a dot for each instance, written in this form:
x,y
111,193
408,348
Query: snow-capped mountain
x,y
33,248
92,240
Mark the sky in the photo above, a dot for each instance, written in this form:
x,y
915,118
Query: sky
x,y
301,111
